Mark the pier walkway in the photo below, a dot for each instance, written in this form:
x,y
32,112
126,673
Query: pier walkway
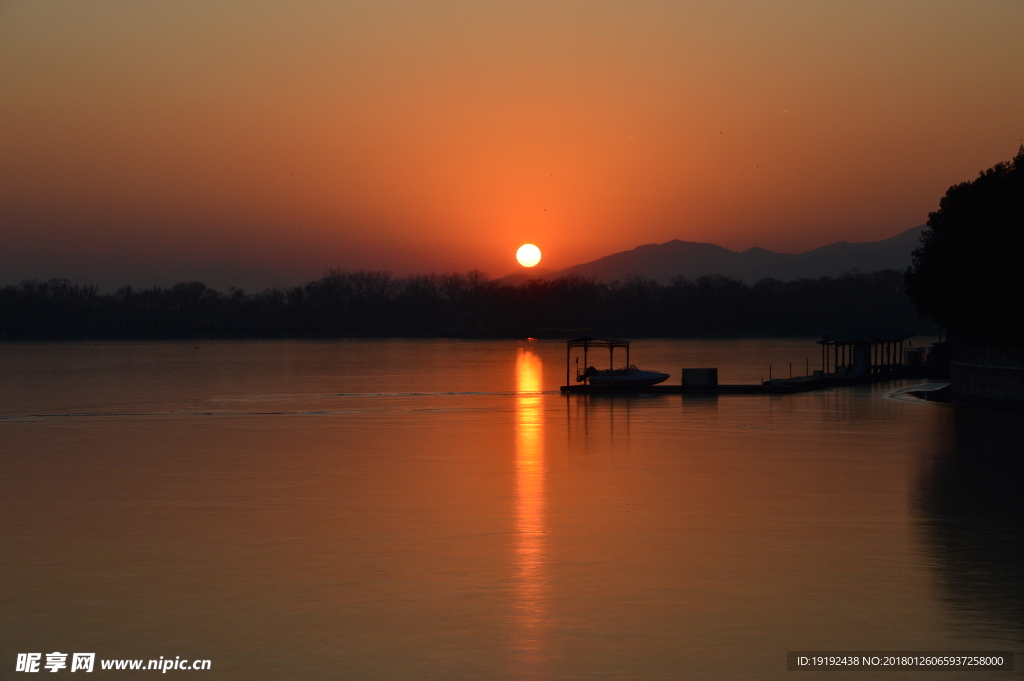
x,y
856,357
778,386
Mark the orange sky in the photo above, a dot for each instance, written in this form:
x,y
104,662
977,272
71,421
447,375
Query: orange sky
x,y
253,143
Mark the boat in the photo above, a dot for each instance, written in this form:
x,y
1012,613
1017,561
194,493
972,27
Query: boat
x,y
628,376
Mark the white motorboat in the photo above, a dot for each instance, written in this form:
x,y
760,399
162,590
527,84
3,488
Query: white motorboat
x,y
629,376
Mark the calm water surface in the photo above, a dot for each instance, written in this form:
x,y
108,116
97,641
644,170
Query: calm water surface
x,y
434,509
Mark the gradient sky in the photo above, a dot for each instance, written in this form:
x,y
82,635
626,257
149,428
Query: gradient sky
x,y
255,143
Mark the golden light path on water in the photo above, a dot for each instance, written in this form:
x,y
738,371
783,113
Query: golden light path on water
x,y
531,578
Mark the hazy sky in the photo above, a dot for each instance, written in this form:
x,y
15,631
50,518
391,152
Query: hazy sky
x,y
258,142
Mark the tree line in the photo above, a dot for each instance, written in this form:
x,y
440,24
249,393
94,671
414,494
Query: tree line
x,y
374,303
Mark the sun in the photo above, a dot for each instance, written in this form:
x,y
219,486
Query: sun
x,y
528,255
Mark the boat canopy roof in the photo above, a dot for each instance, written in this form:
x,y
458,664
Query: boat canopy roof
x,y
868,336
591,342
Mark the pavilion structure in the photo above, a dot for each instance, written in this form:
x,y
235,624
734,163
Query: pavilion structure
x,y
588,343
860,352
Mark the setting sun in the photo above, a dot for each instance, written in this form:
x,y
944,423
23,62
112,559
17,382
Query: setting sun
x,y
528,255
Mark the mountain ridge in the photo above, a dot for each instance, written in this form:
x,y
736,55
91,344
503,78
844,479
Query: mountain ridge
x,y
691,259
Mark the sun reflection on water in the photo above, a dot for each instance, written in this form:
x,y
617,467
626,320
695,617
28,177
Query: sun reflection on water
x,y
531,579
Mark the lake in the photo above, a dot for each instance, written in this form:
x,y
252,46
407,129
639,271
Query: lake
x,y
435,509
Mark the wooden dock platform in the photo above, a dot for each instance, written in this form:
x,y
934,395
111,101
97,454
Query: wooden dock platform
x,y
778,386
851,358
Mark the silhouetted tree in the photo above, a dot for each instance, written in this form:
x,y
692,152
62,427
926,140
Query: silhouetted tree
x,y
967,273
362,303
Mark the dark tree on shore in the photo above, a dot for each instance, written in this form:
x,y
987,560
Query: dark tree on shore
x,y
378,304
968,274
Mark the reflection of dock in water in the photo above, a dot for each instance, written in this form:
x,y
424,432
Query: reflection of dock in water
x,y
850,359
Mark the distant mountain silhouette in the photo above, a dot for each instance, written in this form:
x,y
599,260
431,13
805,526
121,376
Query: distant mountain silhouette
x,y
662,262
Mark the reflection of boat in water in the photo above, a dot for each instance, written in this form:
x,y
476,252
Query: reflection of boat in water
x,y
628,376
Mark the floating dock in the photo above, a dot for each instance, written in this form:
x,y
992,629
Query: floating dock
x,y
778,386
856,358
